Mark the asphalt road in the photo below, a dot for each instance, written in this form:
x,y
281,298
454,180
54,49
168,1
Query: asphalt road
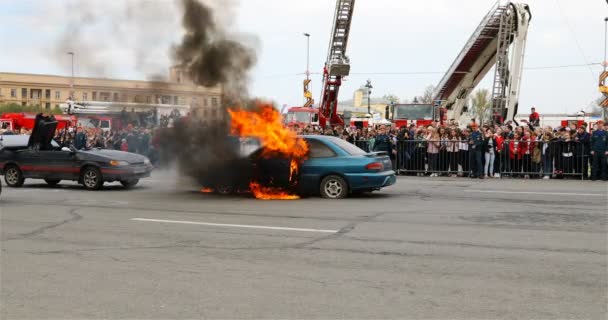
x,y
425,248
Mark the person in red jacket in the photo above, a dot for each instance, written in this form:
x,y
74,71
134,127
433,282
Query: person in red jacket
x,y
527,149
516,149
124,146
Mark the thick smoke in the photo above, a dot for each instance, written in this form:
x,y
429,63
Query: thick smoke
x,y
210,57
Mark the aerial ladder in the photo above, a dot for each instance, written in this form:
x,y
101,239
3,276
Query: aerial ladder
x,y
337,65
499,41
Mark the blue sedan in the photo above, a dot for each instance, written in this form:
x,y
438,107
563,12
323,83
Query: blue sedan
x,y
335,168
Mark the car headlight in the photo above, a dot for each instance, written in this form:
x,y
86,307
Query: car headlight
x,y
116,163
147,161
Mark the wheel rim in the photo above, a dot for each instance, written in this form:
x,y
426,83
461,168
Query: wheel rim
x,y
12,176
333,188
222,189
90,179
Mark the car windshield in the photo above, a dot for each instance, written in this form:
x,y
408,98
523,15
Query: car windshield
x,y
414,112
347,147
298,116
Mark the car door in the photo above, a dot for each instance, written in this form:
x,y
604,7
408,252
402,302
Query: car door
x,y
321,160
57,164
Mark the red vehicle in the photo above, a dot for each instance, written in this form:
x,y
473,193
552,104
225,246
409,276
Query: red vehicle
x,y
418,114
17,121
302,117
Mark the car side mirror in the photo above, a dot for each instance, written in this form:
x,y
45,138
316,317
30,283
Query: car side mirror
x,y
70,149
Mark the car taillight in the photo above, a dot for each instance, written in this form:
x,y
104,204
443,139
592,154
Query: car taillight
x,y
375,166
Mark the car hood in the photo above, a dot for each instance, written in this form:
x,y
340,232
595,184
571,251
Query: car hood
x,y
115,155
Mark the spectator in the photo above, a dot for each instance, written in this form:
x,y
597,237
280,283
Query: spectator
x,y
463,150
489,148
515,154
433,146
80,141
534,119
583,150
124,146
599,151
547,147
453,148
476,144
383,143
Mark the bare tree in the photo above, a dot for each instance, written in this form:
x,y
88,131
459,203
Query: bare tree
x,y
481,105
427,96
388,98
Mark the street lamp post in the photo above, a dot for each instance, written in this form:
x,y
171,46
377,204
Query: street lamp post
x,y
307,35
72,80
605,43
369,87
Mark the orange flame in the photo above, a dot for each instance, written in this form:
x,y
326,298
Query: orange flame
x,y
207,190
264,193
266,125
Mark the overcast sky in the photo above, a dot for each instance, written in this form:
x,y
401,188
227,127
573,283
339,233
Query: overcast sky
x,y
388,36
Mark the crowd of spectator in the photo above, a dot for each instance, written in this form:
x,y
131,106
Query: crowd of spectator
x,y
489,151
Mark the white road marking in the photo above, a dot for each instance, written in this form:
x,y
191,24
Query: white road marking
x,y
235,225
539,193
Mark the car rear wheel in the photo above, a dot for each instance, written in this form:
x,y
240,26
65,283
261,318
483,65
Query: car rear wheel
x,y
128,184
224,189
334,187
91,178
13,176
52,182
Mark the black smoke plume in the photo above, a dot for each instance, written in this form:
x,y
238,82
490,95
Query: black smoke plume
x,y
208,55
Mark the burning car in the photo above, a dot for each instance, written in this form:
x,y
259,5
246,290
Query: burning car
x,y
39,157
333,168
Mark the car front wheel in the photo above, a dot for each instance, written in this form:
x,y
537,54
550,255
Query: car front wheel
x,y
128,184
334,187
13,176
91,178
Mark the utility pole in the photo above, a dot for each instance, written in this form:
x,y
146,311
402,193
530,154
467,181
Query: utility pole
x,y
72,81
369,87
307,94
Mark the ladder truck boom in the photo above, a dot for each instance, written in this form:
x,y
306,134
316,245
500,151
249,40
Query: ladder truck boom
x,y
500,41
337,64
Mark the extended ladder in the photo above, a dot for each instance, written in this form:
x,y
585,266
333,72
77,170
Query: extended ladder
x,y
337,64
500,90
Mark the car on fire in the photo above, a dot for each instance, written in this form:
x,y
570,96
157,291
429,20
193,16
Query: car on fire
x,y
333,169
40,157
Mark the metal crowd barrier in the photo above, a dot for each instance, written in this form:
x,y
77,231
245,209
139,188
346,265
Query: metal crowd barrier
x,y
516,159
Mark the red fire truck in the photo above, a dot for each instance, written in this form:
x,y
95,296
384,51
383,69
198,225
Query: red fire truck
x,y
302,117
416,113
18,120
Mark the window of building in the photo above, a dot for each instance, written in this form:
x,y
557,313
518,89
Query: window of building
x,y
47,93
35,93
94,98
104,96
214,102
166,100
175,100
206,113
115,96
85,96
23,92
182,101
47,105
13,93
205,102
148,99
57,94
123,97
214,113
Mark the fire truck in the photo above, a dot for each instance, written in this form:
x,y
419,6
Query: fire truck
x,y
302,117
18,120
109,115
337,66
420,114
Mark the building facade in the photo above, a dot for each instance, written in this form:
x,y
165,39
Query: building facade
x,y
48,91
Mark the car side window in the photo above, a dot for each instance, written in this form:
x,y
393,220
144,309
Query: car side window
x,y
319,149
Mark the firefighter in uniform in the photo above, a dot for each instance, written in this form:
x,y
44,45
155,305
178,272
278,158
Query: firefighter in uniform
x,y
383,143
599,151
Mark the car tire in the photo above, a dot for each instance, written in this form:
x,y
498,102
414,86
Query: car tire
x,y
91,178
128,184
52,182
333,187
224,189
13,176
